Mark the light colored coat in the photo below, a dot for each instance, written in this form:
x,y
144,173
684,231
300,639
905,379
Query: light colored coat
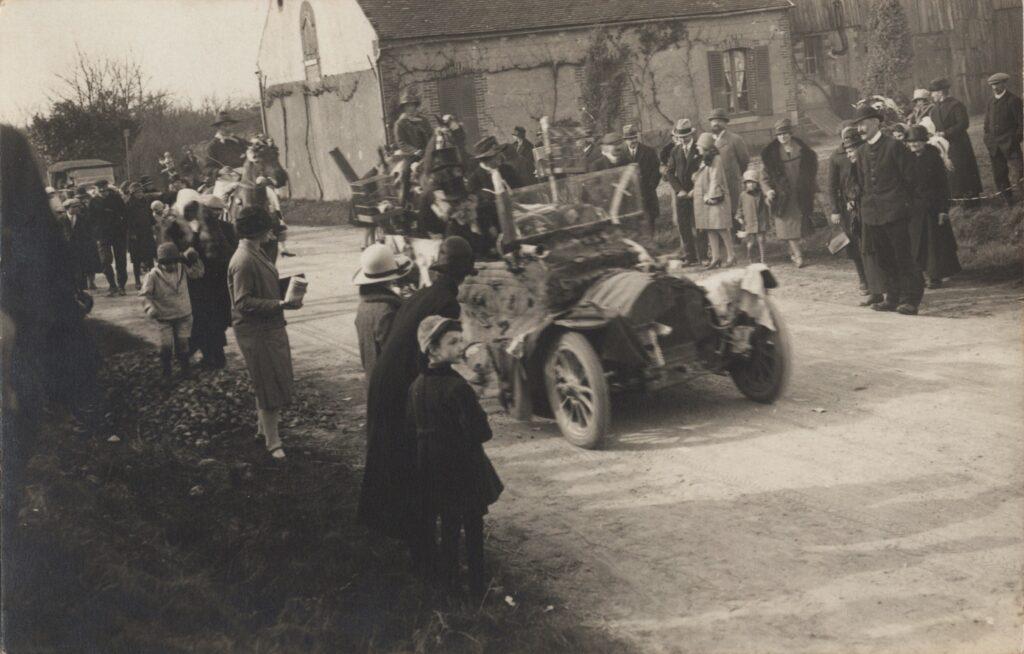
x,y
165,294
709,184
253,286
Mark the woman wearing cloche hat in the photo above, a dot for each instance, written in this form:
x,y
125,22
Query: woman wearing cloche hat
x,y
378,270
790,177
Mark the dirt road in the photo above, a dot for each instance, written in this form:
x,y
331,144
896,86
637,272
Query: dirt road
x,y
878,507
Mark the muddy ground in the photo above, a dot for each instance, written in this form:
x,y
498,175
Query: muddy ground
x,y
877,507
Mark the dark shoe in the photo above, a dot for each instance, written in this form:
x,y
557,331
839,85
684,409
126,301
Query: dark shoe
x,y
713,264
864,289
121,291
165,364
872,300
935,283
112,292
907,309
138,285
287,254
885,306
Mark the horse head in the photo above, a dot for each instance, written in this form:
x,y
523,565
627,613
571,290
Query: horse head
x,y
261,158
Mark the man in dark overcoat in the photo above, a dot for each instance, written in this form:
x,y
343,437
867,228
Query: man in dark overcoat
x,y
79,234
1004,130
108,215
490,159
951,122
140,224
225,148
843,195
683,161
646,159
886,175
521,155
389,502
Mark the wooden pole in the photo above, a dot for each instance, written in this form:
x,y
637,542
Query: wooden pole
x,y
544,125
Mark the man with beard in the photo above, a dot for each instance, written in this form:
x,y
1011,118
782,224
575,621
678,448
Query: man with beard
x,y
886,173
389,503
733,151
951,123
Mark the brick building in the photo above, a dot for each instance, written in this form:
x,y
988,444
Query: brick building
x,y
334,69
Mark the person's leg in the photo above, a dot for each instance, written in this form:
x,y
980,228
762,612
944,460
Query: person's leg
x,y
183,329
1001,175
166,333
107,261
713,242
271,420
730,253
761,238
910,279
448,561
884,258
474,526
121,263
794,252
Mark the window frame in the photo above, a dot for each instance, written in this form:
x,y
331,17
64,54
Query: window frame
x,y
729,72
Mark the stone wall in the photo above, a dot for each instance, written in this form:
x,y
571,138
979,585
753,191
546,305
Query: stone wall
x,y
516,79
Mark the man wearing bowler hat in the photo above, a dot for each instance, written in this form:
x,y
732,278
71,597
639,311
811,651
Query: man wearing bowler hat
x,y
733,151
951,122
885,169
683,162
481,181
520,153
1004,129
225,148
646,159
412,130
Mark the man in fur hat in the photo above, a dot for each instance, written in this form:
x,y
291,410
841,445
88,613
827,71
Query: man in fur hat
x,y
951,123
1004,130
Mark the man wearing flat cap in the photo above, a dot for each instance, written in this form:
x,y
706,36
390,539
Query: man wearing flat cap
x,y
951,122
885,169
225,148
78,232
1004,130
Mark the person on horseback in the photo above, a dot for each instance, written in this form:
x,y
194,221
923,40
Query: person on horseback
x,y
225,148
412,129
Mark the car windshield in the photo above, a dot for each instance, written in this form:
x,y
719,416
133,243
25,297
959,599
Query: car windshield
x,y
576,200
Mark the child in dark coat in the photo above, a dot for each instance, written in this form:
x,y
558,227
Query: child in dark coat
x,y
752,213
457,478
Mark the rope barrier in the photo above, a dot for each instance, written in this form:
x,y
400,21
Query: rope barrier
x,y
990,196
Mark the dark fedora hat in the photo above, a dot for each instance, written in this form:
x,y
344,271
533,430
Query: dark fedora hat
x,y
486,148
519,131
252,222
917,133
867,111
939,84
223,118
444,158
408,96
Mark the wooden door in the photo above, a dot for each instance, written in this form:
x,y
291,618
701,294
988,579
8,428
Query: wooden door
x,y
457,96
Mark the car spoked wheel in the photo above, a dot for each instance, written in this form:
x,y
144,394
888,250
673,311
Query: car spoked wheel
x,y
762,376
577,390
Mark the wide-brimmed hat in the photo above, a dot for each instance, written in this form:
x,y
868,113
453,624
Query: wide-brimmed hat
x,y
252,222
718,114
102,183
917,133
998,78
784,126
157,205
706,140
432,328
486,148
851,137
867,111
168,253
683,127
455,257
630,132
379,264
921,94
939,84
408,97
223,118
611,138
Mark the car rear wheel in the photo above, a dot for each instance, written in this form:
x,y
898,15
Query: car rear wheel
x,y
577,390
763,376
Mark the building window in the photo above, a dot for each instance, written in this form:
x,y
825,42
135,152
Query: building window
x,y
812,55
741,80
310,45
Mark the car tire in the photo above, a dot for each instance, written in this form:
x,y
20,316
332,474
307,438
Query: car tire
x,y
578,390
763,377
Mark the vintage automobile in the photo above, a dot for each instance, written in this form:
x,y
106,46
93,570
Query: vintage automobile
x,y
576,310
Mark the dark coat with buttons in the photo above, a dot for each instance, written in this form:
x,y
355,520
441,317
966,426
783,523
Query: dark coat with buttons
x,y
646,159
950,118
1004,125
886,172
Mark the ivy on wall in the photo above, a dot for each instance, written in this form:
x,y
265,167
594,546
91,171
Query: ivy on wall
x,y
605,76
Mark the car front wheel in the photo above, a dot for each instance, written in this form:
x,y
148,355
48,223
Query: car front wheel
x,y
577,390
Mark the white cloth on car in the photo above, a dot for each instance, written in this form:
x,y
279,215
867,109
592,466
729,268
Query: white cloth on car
x,y
740,289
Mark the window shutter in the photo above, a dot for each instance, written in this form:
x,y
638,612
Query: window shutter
x,y
761,81
716,73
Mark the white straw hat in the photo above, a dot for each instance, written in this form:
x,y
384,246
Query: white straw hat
x,y
378,264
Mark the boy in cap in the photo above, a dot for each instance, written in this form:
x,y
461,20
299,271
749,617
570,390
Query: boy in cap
x,y
457,479
1004,130
166,301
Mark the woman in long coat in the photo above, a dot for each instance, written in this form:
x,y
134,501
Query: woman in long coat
x,y
712,207
790,176
211,302
932,241
951,122
257,313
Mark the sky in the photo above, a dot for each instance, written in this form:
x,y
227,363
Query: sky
x,y
192,49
